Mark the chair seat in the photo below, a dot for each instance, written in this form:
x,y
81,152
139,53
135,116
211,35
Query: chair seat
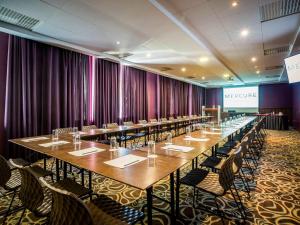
x,y
193,177
18,161
213,162
45,208
71,186
211,184
117,210
40,172
101,218
225,151
14,182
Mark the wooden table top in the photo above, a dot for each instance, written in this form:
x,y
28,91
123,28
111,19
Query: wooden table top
x,y
140,175
210,139
120,129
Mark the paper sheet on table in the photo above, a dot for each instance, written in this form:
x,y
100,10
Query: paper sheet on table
x,y
34,139
125,161
196,139
209,132
86,151
178,148
102,129
54,143
80,132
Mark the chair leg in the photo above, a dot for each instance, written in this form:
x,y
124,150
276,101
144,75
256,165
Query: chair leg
x,y
219,211
10,205
244,216
246,185
20,220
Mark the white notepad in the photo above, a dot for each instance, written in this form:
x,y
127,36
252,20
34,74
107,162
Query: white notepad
x,y
54,143
80,132
86,151
34,139
125,161
209,132
178,148
196,139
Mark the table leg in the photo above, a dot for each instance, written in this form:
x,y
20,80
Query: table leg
x,y
57,169
125,139
177,191
149,205
90,180
65,169
45,162
172,202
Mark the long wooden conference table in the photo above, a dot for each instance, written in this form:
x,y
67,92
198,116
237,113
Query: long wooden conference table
x,y
143,172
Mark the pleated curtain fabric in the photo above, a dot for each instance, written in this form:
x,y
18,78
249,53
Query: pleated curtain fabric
x,y
107,78
134,94
44,88
198,95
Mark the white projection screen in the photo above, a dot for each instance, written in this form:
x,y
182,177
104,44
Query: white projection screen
x,y
292,65
241,99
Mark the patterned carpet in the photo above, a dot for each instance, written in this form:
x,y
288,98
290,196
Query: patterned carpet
x,y
275,195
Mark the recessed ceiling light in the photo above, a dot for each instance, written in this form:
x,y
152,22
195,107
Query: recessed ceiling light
x,y
253,59
244,32
118,42
183,69
257,72
203,59
148,55
203,78
226,75
234,3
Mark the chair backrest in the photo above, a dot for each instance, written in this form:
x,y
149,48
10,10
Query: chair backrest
x,y
128,123
185,117
143,121
179,117
112,125
164,119
31,192
5,172
64,130
171,118
238,159
153,120
90,127
67,209
226,175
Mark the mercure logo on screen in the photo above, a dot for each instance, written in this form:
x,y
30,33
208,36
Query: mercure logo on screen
x,y
242,95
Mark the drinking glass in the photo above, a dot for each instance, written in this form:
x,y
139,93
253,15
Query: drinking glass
x,y
75,130
169,138
188,131
151,149
77,138
54,135
113,144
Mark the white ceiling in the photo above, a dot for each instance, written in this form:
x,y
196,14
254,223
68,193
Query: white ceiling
x,y
171,33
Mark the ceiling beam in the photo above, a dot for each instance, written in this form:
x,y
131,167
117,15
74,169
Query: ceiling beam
x,y
195,35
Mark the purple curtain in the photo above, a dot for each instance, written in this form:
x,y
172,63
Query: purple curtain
x,y
44,88
134,92
107,76
165,96
180,98
214,97
198,95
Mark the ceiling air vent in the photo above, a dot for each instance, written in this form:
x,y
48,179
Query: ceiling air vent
x,y
274,67
165,69
272,76
13,17
190,77
272,9
275,51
